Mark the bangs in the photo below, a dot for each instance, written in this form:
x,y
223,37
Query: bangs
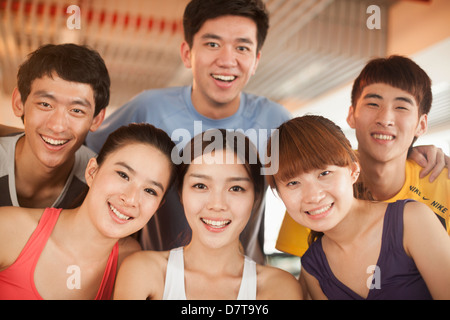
x,y
309,143
398,72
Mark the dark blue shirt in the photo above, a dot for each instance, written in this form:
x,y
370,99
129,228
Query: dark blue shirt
x,y
398,277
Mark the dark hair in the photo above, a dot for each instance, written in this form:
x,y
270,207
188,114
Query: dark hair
x,y
139,133
399,72
70,62
307,143
198,11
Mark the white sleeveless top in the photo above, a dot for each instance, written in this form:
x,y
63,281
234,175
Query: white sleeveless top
x,y
174,286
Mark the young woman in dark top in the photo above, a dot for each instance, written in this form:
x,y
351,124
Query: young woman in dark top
x,y
359,249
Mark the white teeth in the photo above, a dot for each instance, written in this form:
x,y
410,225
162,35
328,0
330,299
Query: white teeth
x,y
53,141
223,78
118,214
383,137
319,211
215,223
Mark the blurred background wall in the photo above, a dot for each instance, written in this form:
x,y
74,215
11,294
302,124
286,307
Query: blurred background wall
x,y
314,50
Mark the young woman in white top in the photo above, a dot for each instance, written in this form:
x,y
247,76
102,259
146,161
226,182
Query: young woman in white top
x,y
220,186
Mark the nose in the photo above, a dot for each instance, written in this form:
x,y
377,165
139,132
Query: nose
x,y
217,201
313,192
130,195
57,120
226,57
385,117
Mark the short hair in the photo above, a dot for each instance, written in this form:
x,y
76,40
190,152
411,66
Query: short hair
x,y
71,62
399,72
199,11
307,143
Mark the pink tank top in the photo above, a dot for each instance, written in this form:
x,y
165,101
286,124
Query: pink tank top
x,y
17,281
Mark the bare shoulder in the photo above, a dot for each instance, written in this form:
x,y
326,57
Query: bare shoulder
x,y
141,276
16,227
148,258
416,214
277,284
20,214
19,221
127,246
421,225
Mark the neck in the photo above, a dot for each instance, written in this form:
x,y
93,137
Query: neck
x,y
212,109
383,179
36,184
213,260
351,227
78,235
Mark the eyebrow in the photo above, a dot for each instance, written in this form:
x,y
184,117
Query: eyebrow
x,y
126,166
377,96
207,36
48,95
204,176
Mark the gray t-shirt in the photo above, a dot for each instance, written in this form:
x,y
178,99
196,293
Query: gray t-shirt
x,y
70,195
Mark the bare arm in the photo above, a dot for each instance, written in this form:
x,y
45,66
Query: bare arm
x,y
311,286
277,284
139,278
428,243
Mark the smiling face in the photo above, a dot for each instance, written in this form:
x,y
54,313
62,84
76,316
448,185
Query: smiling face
x,y
386,120
218,199
126,190
321,198
223,57
58,114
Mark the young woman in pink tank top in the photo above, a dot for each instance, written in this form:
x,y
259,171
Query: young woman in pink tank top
x,y
74,254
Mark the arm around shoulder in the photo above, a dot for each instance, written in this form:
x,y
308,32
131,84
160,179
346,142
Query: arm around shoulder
x,y
428,243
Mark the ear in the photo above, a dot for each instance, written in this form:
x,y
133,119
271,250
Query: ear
x,y
91,171
17,104
355,171
185,52
258,57
422,126
351,117
98,119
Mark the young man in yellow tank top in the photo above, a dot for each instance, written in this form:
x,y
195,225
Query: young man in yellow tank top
x,y
391,100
